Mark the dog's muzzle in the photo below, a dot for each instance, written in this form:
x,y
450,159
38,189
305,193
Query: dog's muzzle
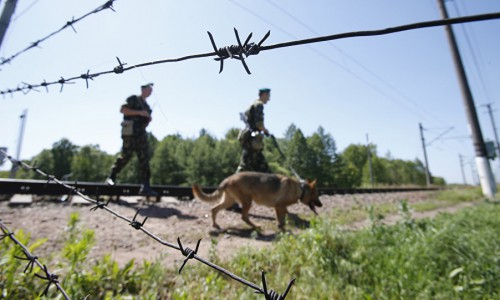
x,y
314,203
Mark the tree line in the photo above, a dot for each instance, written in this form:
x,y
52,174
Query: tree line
x,y
207,160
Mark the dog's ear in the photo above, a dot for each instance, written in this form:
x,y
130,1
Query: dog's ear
x,y
313,183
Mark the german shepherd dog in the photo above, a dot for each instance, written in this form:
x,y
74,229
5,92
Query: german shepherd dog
x,y
271,190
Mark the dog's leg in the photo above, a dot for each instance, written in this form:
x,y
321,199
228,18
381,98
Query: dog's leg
x,y
281,213
227,201
245,208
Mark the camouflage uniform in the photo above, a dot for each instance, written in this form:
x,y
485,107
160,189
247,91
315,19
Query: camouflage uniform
x,y
135,139
252,141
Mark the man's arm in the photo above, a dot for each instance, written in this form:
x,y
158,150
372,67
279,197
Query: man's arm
x,y
134,112
259,118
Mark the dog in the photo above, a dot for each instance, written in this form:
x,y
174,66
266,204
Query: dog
x,y
273,190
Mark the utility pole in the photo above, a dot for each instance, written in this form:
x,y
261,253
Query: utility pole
x,y
8,11
427,173
482,162
494,128
14,168
473,174
369,150
462,168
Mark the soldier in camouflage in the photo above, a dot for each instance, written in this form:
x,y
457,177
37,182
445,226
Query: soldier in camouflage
x,y
136,117
252,137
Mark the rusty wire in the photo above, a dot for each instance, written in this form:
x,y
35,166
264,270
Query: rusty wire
x,y
32,260
241,51
138,225
107,5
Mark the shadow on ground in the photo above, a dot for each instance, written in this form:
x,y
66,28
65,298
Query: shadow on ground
x,y
154,211
293,221
249,233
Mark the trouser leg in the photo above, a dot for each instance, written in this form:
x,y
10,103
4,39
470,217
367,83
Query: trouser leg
x,y
122,160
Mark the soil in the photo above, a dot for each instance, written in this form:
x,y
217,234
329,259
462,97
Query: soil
x,y
170,219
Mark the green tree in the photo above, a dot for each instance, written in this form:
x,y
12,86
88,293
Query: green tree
x,y
380,170
43,161
227,154
355,156
300,156
165,166
202,163
62,155
345,174
323,149
90,164
290,132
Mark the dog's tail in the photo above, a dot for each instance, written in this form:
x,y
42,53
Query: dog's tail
x,y
213,197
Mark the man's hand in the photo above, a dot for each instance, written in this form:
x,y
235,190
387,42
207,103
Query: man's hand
x,y
144,113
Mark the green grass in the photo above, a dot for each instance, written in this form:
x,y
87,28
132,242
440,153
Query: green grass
x,y
451,257
456,195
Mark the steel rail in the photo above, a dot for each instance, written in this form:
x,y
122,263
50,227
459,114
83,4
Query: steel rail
x,y
42,187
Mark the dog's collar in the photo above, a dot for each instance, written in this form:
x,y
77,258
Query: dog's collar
x,y
303,186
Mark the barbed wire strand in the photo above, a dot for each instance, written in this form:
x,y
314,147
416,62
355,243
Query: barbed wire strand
x,y
242,51
32,260
136,224
107,5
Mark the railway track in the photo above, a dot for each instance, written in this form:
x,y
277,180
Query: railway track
x,y
44,188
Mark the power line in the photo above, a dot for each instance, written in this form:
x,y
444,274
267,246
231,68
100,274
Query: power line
x,y
158,103
357,62
373,86
17,16
474,55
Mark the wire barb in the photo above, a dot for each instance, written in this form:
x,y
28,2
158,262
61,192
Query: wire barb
x,y
87,76
119,69
187,252
31,263
136,224
70,24
272,295
100,204
5,234
239,52
51,278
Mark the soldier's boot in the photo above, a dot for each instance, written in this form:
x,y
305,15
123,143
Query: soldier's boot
x,y
111,180
146,190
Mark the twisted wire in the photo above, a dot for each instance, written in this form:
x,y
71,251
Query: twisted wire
x,y
243,50
107,5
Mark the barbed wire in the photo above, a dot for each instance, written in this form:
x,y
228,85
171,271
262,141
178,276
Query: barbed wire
x,y
138,225
242,51
32,261
107,5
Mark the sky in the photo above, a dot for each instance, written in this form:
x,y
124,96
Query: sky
x,y
378,88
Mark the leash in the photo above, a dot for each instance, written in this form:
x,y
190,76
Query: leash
x,y
275,143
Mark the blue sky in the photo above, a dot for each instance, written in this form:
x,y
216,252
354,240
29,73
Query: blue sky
x,y
381,86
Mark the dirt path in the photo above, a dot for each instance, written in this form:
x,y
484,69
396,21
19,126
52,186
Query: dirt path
x,y
188,220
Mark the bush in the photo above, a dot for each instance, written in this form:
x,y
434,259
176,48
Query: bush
x,y
104,280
